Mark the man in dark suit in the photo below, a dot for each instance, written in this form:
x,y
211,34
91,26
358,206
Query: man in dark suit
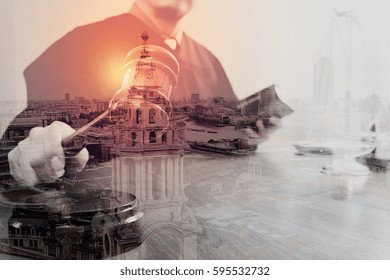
x,y
88,62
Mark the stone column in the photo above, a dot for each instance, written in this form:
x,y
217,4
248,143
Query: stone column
x,y
169,177
132,175
123,174
163,179
113,174
137,178
146,137
176,178
143,179
126,186
118,173
181,175
149,180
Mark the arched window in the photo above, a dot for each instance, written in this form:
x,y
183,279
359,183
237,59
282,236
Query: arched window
x,y
152,137
164,137
152,116
138,116
133,138
33,231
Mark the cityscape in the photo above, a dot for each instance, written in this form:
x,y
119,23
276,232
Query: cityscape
x,y
195,179
185,170
142,158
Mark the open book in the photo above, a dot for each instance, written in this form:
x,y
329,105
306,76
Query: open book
x,y
263,103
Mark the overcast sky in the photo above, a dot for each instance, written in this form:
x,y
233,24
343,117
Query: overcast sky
x,y
259,42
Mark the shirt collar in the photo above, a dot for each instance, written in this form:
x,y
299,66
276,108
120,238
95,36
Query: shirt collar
x,y
136,11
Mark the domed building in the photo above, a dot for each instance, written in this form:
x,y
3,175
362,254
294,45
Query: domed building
x,y
147,160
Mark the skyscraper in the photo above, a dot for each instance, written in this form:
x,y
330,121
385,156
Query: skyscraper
x,y
67,97
323,82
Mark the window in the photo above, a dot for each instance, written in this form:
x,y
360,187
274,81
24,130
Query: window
x,y
33,231
152,137
133,138
152,116
18,242
164,137
138,114
4,240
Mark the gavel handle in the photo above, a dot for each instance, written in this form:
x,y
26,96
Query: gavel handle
x,y
68,141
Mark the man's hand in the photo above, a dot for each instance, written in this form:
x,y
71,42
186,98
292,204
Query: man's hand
x,y
264,128
41,156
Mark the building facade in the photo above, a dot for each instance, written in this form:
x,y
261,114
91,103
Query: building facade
x,y
147,161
